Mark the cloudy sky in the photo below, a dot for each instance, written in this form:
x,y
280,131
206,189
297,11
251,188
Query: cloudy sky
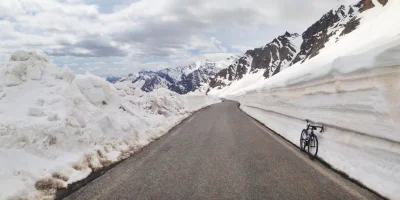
x,y
121,36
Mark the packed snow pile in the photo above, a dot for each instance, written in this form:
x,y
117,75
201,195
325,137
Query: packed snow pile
x,y
57,127
352,87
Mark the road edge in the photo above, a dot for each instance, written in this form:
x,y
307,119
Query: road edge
x,y
62,193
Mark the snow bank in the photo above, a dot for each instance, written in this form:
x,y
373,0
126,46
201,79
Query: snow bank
x,y
352,87
357,98
57,127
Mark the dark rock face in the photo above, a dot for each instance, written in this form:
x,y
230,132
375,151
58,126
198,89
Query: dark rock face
x,y
226,75
154,82
270,59
193,81
364,5
277,54
351,26
383,2
243,65
317,35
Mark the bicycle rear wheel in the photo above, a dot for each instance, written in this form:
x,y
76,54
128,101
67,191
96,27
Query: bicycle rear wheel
x,y
303,137
313,146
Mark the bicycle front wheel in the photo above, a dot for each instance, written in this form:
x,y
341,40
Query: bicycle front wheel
x,y
303,137
313,146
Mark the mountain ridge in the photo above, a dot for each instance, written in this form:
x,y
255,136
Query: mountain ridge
x,y
182,80
291,48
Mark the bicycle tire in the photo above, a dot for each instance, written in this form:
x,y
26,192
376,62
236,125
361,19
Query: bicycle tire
x,y
313,146
303,140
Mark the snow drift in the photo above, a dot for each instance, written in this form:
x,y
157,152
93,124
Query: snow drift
x,y
57,127
352,87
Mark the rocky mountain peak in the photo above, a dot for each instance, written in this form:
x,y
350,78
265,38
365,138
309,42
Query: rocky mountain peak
x,y
332,25
287,34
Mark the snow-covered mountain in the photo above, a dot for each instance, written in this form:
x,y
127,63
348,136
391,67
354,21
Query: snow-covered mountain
x,y
271,59
291,48
182,80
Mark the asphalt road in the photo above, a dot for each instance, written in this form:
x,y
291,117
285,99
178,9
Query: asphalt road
x,y
221,153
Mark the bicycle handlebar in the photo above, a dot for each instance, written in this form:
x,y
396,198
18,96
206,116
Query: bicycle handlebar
x,y
315,127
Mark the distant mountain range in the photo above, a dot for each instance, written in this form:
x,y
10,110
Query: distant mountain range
x,y
113,79
182,80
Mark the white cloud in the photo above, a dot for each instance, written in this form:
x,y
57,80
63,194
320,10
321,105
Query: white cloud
x,y
138,30
241,48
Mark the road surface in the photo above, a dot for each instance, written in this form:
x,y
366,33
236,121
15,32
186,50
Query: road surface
x,y
220,153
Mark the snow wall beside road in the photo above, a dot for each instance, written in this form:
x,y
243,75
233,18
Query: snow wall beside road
x,y
357,99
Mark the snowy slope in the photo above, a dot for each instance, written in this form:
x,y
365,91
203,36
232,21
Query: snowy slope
x,y
57,127
352,87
